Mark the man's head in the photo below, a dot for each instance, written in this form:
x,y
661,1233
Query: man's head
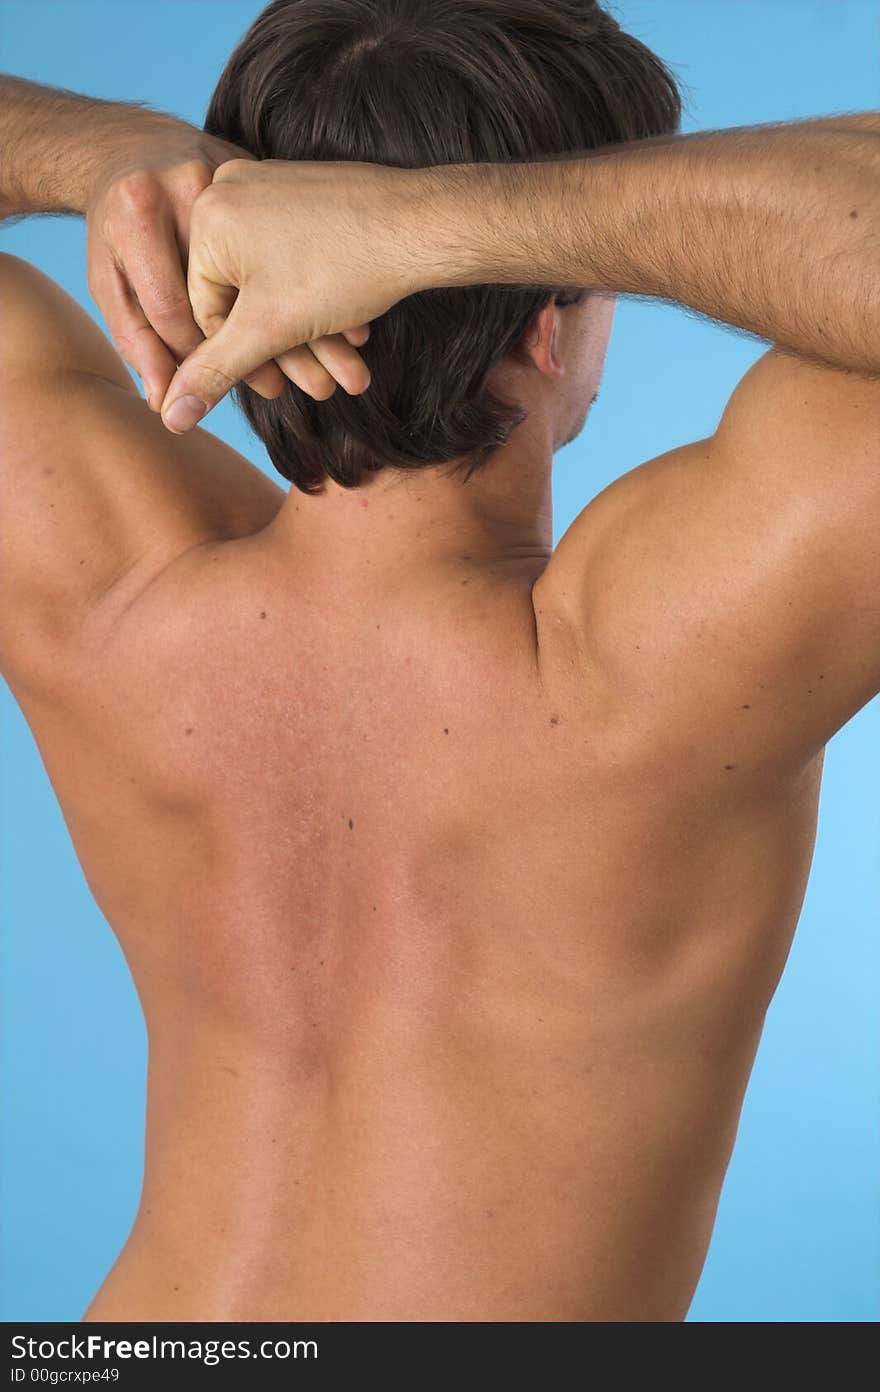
x,y
412,83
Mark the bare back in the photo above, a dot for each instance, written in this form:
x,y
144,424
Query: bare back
x,y
453,977
454,899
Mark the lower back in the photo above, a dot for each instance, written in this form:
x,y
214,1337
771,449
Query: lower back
x,y
521,1112
445,1170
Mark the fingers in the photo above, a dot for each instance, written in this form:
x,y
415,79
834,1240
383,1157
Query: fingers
x,y
346,368
343,362
226,357
231,353
136,341
156,275
302,367
318,366
340,363
268,381
146,305
212,306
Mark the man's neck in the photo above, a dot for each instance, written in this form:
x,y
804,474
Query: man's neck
x,y
399,520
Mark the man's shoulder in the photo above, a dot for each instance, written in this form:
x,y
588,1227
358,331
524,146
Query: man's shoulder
x,y
726,589
95,489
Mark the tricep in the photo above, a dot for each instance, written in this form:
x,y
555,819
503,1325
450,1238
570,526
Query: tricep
x,y
730,589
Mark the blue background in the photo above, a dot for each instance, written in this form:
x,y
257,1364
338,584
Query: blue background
x,y
797,1231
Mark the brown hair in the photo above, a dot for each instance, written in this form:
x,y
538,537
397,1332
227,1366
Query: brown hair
x,y
413,83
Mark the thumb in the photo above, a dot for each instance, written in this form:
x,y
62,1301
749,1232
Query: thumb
x,y
211,370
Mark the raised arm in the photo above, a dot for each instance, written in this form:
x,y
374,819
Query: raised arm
x,y
134,174
727,590
770,228
773,229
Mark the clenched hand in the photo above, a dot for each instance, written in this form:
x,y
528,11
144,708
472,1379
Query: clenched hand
x,y
138,222
283,257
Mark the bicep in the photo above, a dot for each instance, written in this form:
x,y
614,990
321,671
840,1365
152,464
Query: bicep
x,y
731,586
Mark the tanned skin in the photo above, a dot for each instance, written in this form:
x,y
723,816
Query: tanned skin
x,y
455,873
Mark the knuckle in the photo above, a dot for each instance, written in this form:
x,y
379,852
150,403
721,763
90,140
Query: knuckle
x,y
125,338
191,179
210,321
139,193
196,168
231,169
204,204
216,379
166,303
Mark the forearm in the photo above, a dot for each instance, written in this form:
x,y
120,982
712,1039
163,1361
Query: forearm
x,y
54,145
774,229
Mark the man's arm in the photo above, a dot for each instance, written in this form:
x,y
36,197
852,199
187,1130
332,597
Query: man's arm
x,y
773,229
93,490
87,477
727,590
134,174
81,483
56,143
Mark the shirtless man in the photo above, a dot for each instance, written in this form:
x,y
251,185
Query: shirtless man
x,y
455,874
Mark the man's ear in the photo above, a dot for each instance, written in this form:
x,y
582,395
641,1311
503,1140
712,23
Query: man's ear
x,y
540,343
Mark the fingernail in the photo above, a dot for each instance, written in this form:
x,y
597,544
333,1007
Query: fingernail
x,y
183,413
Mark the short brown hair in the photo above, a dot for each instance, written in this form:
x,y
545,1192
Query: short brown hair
x,y
413,83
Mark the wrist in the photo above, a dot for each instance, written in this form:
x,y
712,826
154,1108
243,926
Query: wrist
x,y
454,226
58,146
506,223
120,138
